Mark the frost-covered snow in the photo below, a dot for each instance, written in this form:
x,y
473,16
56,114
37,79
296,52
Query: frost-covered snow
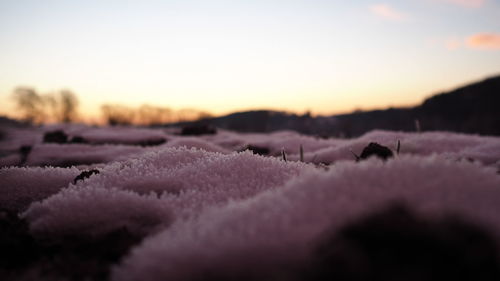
x,y
184,180
277,228
204,207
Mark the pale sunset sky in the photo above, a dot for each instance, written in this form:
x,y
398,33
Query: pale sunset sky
x,y
223,56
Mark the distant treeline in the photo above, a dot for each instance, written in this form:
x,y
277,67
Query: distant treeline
x,y
62,107
148,115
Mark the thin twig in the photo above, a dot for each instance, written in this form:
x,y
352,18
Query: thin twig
x,y
283,155
355,155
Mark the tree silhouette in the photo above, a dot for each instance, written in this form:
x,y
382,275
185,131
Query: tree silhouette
x,y
68,106
148,115
118,114
31,105
35,108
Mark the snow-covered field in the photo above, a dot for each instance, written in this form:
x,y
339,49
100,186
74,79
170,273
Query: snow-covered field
x,y
161,206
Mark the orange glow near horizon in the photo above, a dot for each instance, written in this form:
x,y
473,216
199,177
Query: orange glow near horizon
x,y
90,112
324,57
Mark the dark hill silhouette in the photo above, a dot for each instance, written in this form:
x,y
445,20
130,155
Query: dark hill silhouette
x,y
265,121
473,109
8,122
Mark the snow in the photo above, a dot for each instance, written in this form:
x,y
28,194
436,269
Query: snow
x,y
185,180
109,135
450,145
203,206
275,230
65,155
191,142
121,135
22,186
96,211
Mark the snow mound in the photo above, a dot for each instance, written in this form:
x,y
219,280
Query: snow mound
x,y
65,155
276,230
185,180
96,211
192,142
123,135
449,145
19,187
189,180
17,137
275,142
110,135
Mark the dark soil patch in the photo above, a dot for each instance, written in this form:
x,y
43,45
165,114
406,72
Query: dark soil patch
x,y
85,174
257,149
198,130
152,142
375,149
78,139
55,137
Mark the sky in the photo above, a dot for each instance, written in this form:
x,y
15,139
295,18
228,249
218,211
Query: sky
x,y
321,56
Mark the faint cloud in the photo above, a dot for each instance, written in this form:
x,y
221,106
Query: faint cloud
x,y
467,3
450,43
488,41
387,12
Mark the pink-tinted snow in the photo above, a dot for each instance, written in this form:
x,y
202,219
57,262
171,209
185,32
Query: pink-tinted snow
x,y
184,180
276,229
79,154
202,206
22,186
109,135
95,211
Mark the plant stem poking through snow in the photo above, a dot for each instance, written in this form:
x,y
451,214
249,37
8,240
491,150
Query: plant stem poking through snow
x,y
283,154
398,147
301,152
417,126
